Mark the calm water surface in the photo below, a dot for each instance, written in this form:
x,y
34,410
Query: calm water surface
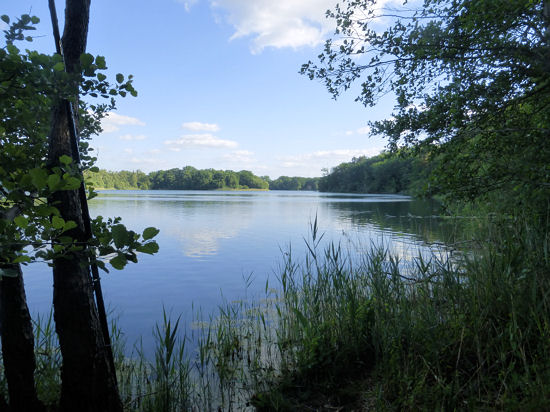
x,y
211,241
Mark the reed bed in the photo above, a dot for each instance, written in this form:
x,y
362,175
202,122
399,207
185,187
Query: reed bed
x,y
466,332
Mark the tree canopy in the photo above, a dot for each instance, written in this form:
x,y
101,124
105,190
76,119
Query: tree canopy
x,y
471,80
404,173
30,83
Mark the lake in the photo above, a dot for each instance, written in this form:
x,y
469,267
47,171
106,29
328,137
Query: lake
x,y
213,243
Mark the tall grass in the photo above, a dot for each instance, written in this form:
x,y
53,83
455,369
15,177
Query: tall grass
x,y
369,331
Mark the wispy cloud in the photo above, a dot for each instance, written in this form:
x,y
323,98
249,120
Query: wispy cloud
x,y
187,4
362,130
133,137
329,157
145,160
201,127
114,121
240,156
202,140
278,24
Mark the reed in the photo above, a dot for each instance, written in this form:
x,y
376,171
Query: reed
x,y
356,330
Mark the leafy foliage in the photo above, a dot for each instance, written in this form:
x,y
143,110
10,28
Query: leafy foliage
x,y
30,228
294,183
187,178
404,172
471,80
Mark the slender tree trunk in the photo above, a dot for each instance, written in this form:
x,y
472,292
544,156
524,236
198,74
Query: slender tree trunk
x,y
88,381
17,343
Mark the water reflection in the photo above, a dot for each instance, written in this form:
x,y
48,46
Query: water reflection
x,y
209,241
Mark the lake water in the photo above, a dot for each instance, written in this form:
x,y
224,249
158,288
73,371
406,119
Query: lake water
x,y
210,242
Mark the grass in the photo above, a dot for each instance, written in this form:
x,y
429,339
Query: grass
x,y
471,331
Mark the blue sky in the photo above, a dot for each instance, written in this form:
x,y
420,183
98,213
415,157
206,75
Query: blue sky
x,y
219,86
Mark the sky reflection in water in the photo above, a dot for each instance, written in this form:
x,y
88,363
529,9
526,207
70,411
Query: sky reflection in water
x,y
211,241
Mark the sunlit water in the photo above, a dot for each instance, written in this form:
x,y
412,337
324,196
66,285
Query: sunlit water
x,y
210,242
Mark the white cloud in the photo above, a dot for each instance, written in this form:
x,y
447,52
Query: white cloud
x,y
280,23
201,127
203,140
132,137
240,156
187,4
113,121
144,160
129,150
361,130
323,156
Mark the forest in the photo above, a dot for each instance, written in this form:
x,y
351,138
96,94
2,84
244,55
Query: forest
x,y
398,173
402,172
189,178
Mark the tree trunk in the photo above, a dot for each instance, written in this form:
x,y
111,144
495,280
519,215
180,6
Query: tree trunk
x,y
17,343
88,381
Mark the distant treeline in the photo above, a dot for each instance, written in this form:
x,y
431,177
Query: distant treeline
x,y
402,172
386,173
190,178
294,183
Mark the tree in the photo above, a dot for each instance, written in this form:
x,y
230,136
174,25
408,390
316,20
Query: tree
x,y
23,98
32,229
83,345
471,80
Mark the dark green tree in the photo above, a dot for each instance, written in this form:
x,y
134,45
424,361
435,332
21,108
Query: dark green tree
x,y
471,80
32,229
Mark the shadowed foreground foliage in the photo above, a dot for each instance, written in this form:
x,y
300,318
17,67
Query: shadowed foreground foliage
x,y
359,328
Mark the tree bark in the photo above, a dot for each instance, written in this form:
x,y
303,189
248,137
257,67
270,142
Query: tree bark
x,y
17,343
88,381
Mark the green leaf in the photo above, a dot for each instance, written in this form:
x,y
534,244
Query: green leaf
x,y
45,210
94,169
119,77
86,59
39,177
35,20
119,261
150,233
71,182
53,181
120,235
59,67
21,259
5,19
101,77
12,49
66,160
100,62
149,248
58,222
21,221
69,225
